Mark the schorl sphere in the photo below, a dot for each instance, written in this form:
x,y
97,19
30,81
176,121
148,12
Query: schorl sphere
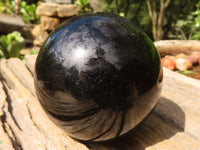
x,y
98,76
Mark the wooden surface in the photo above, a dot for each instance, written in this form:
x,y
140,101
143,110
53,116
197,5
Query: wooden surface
x,y
173,47
173,125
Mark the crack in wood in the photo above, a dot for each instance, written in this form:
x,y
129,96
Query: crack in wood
x,y
9,102
6,127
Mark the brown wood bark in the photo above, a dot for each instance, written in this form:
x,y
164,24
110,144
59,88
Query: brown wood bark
x,y
157,19
153,16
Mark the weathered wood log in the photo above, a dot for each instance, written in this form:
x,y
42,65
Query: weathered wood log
x,y
171,47
5,141
174,124
10,23
28,122
30,62
20,71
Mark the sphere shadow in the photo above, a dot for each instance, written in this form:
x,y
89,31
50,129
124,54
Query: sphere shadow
x,y
165,121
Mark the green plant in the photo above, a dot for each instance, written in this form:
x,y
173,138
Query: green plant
x,y
33,52
183,28
84,6
7,6
189,72
187,27
11,44
28,13
196,35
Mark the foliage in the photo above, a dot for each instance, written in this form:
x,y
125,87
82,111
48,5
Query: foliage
x,y
196,35
179,20
84,6
183,28
135,11
7,7
28,13
197,13
187,72
33,52
117,7
186,26
11,44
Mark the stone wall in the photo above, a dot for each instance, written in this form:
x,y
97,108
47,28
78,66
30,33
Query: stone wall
x,y
51,15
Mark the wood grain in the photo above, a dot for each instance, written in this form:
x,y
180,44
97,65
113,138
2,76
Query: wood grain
x,y
174,123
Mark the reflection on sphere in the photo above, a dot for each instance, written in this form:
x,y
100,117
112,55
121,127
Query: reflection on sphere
x,y
98,76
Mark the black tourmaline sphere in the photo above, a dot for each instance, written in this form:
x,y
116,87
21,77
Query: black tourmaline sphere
x,y
98,76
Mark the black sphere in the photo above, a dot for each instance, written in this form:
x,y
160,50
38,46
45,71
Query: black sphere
x,y
98,76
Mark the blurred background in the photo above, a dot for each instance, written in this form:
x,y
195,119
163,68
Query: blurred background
x,y
27,23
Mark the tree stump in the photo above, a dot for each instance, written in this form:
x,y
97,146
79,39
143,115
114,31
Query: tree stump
x,y
174,124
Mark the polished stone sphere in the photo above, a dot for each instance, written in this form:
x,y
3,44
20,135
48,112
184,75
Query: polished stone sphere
x,y
98,76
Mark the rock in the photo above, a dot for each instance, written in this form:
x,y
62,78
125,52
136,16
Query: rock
x,y
194,57
58,1
196,53
40,39
183,64
49,23
47,9
169,62
181,55
37,30
67,10
57,10
39,34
